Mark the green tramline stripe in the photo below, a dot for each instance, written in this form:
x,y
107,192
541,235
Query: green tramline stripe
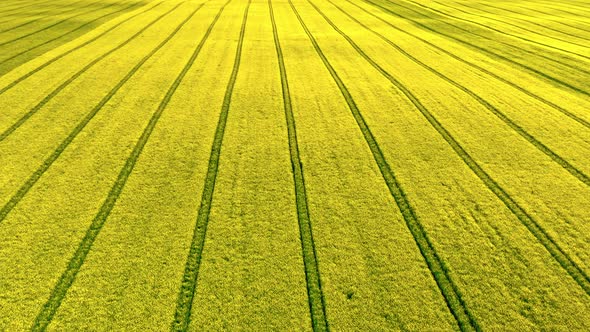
x,y
188,286
49,62
532,225
486,51
483,70
24,189
41,17
18,7
129,7
521,20
315,295
72,78
578,174
494,29
58,22
67,278
440,273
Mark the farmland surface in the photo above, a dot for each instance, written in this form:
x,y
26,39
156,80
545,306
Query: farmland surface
x,y
294,165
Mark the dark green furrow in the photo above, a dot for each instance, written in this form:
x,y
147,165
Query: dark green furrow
x,y
62,86
558,254
555,18
315,296
42,17
507,45
476,66
578,7
58,23
129,7
440,273
20,25
51,7
31,13
29,74
568,16
24,189
9,6
522,132
188,285
18,8
16,5
548,77
67,278
516,25
498,30
526,22
43,14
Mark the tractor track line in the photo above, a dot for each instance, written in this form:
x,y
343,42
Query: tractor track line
x,y
457,18
188,287
89,5
504,32
72,78
10,6
44,10
12,18
532,225
577,6
516,64
517,47
67,278
525,22
24,189
58,22
130,7
576,17
315,296
16,5
18,8
554,18
465,9
39,18
439,271
503,80
29,74
514,126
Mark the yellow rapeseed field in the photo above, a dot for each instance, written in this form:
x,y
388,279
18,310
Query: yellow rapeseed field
x,y
294,165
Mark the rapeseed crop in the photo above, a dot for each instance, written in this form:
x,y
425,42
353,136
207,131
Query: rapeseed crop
x,y
346,165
